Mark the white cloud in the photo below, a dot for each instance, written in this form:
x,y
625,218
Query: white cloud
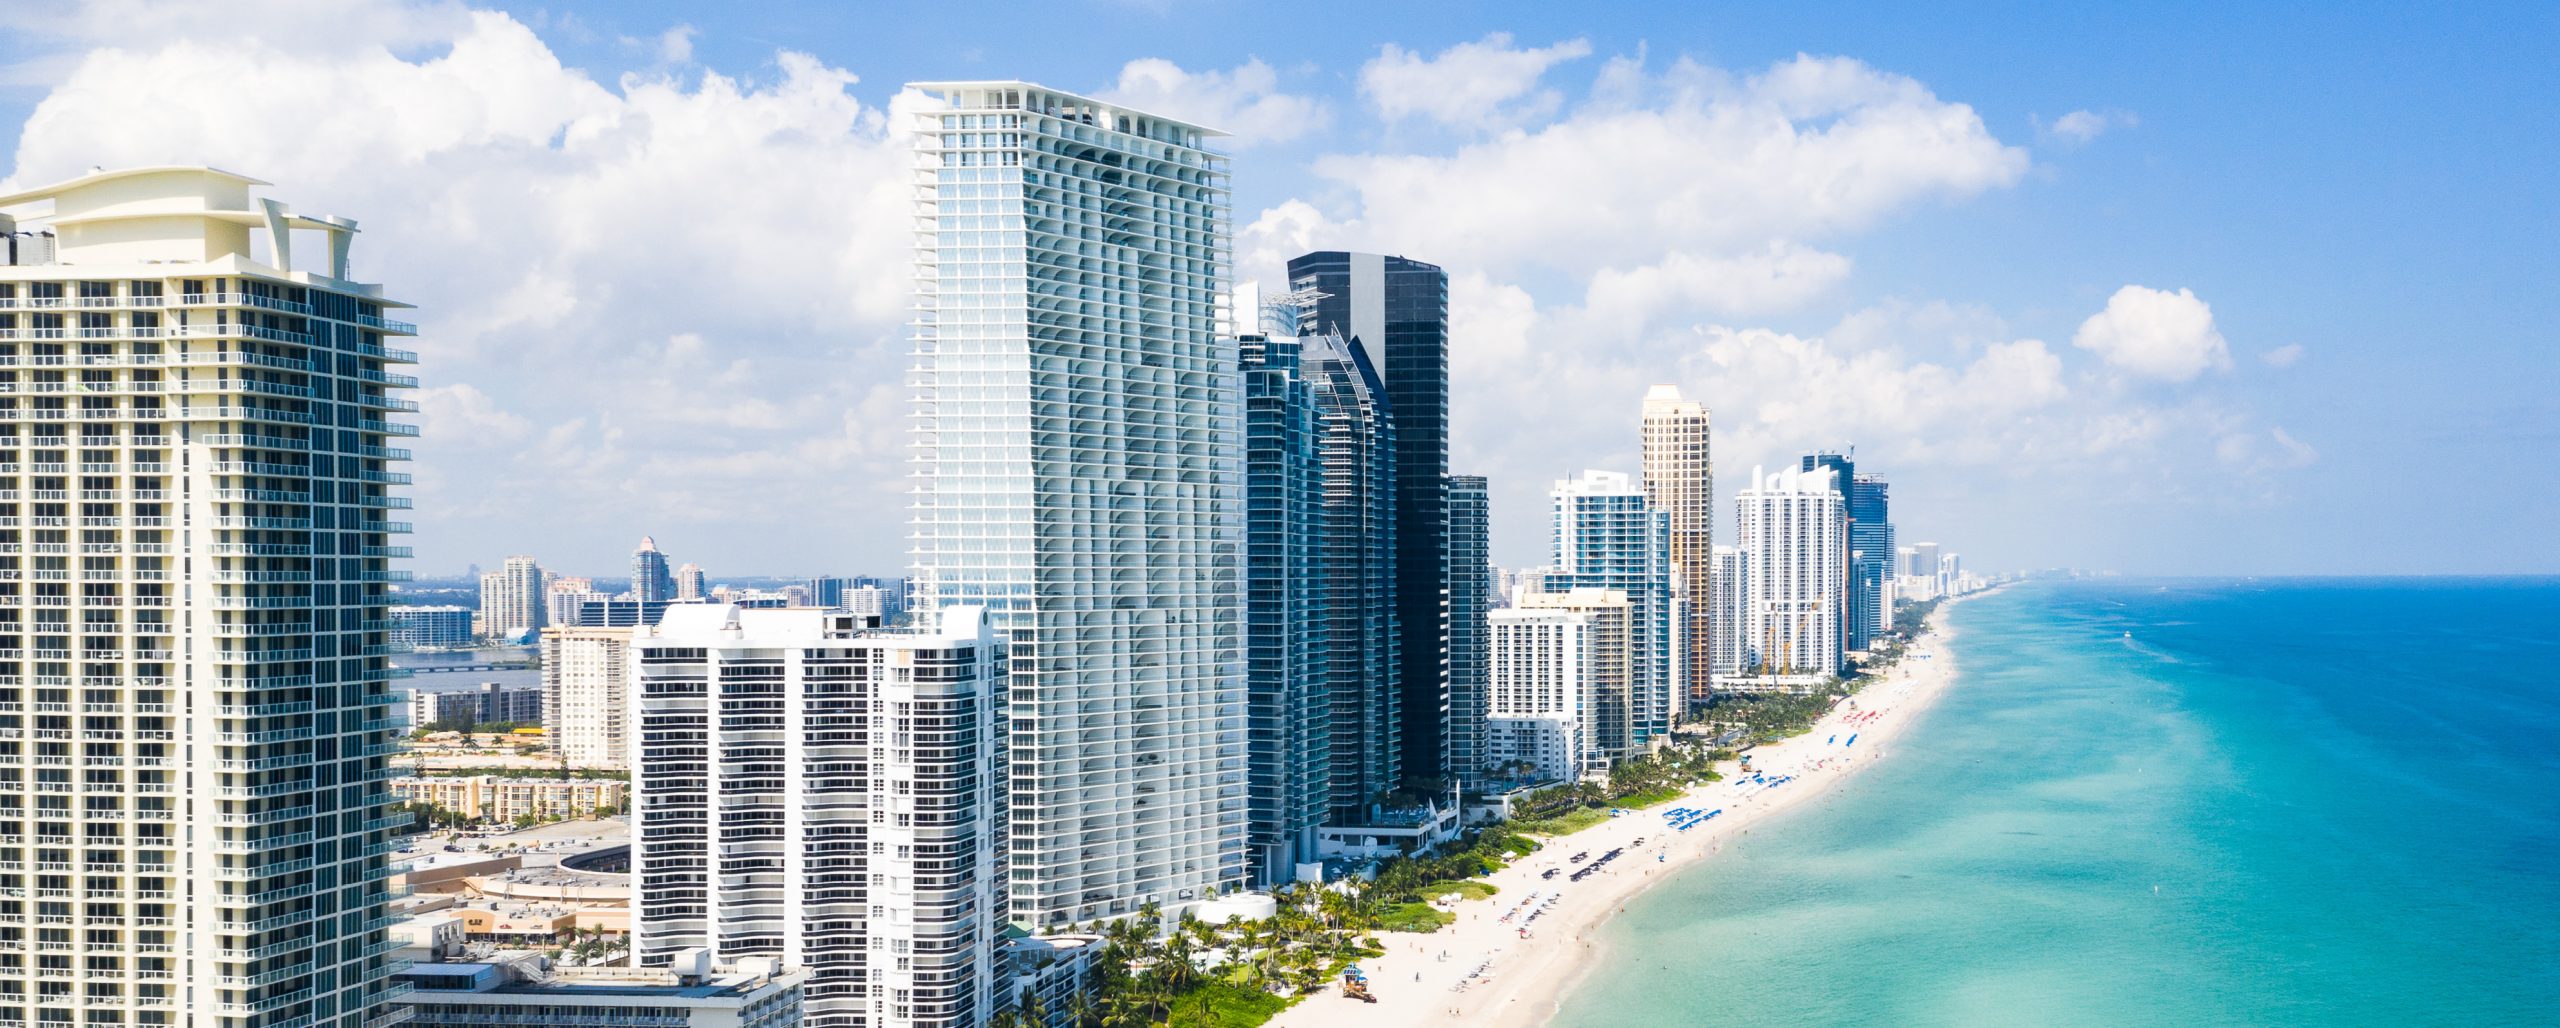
x,y
645,300
1701,165
675,45
1245,102
1480,85
2080,127
2252,451
2155,334
1780,277
2284,356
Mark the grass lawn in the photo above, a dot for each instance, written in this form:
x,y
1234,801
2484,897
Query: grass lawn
x,y
1225,1006
1468,889
1648,798
1566,823
1413,917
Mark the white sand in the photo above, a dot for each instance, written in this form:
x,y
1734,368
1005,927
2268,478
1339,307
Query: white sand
x,y
1523,978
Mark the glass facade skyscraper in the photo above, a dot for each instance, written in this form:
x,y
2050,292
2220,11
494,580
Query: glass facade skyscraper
x,y
1357,530
1078,469
1470,603
1395,311
1608,535
1289,765
1870,546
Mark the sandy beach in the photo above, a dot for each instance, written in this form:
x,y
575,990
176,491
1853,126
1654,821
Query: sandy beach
x,y
1483,970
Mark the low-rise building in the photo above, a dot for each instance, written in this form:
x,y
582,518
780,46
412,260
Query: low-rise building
x,y
503,798
528,991
431,628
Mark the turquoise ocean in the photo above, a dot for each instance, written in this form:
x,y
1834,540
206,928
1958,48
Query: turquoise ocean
x,y
2183,802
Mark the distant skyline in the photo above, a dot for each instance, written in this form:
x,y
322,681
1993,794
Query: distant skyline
x,y
2162,290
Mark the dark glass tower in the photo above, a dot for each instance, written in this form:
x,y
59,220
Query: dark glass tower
x,y
1395,314
1870,546
1470,632
1289,704
1356,537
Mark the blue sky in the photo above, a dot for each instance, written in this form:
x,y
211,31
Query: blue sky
x,y
2359,198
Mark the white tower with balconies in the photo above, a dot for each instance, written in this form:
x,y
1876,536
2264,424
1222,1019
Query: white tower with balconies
x,y
1078,469
824,794
194,712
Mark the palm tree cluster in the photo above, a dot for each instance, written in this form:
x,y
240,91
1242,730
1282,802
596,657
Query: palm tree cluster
x,y
1674,767
1147,977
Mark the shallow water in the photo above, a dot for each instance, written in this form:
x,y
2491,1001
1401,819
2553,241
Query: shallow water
x,y
2277,802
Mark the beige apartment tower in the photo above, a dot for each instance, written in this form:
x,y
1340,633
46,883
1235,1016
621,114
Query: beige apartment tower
x,y
195,489
1680,479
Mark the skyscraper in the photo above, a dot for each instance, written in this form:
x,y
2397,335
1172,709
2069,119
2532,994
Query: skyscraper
x,y
1078,468
691,583
1605,719
1731,583
1843,468
1609,536
1679,480
511,600
1356,536
650,580
1795,542
212,850
586,709
1287,678
1395,312
1470,600
821,793
1871,546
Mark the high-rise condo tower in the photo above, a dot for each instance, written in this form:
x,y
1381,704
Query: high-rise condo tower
x,y
1679,480
1078,473
1395,311
194,698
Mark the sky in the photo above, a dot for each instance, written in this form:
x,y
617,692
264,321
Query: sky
x,y
2161,289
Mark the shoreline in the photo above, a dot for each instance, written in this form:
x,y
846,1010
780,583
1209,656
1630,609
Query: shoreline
x,y
1524,979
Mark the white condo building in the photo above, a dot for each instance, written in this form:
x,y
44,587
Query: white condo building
x,y
1731,584
824,794
1078,472
1609,535
1559,666
586,709
1680,480
512,601
194,701
1794,539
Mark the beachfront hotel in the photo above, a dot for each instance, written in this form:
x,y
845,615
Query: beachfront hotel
x,y
822,793
1608,535
1679,480
1077,466
1559,670
1794,540
194,484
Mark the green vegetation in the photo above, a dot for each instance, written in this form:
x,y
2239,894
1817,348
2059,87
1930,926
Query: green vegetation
x,y
1769,717
1637,782
1263,966
1413,917
1221,1005
1469,889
